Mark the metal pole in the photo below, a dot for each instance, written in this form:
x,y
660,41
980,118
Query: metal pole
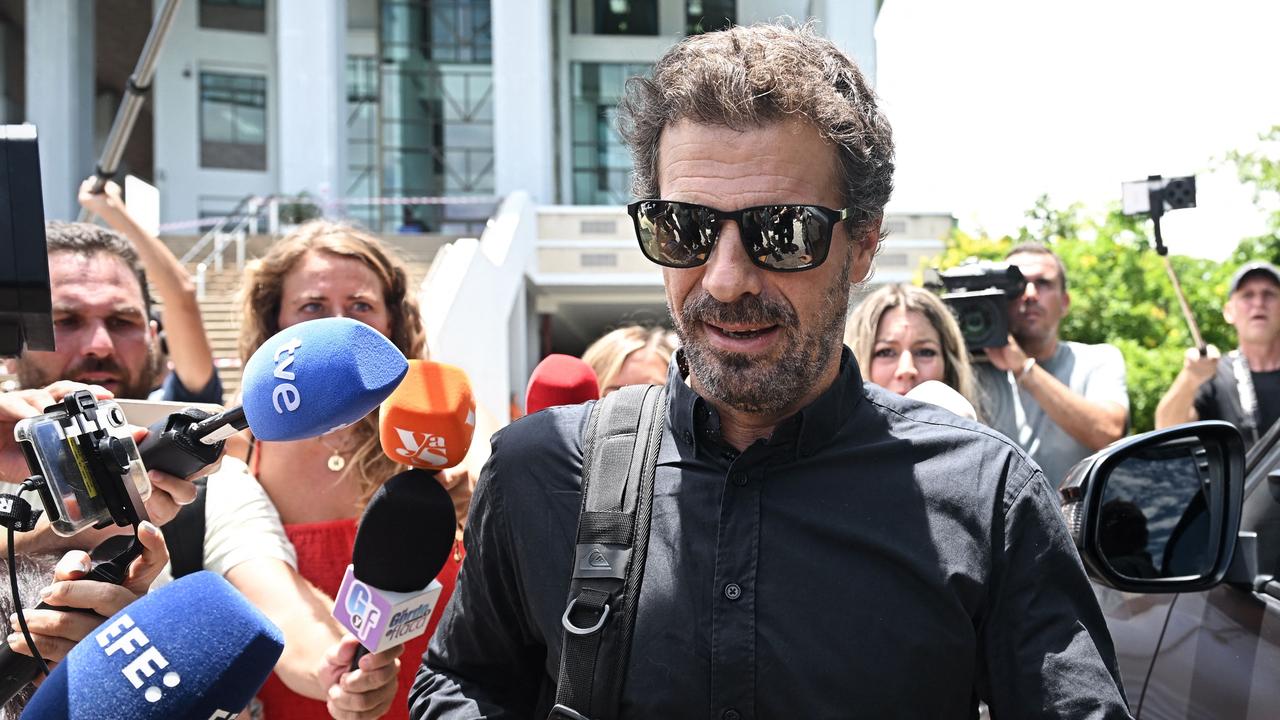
x,y
1163,252
134,96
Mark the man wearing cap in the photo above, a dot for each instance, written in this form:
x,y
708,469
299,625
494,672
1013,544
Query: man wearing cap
x,y
1244,387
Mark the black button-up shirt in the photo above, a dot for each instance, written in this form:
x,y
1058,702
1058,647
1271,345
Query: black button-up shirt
x,y
876,557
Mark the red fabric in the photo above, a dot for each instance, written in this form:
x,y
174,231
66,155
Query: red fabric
x,y
324,551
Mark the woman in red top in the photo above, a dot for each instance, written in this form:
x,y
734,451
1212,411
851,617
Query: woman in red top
x,y
320,486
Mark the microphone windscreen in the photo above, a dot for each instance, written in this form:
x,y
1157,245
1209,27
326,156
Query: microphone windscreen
x,y
406,533
195,648
317,376
560,380
944,396
428,421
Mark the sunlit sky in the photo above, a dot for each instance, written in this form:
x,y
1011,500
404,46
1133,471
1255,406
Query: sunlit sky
x,y
994,102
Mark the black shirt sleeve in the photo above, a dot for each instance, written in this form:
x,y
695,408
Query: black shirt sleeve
x,y
483,660
1047,649
173,390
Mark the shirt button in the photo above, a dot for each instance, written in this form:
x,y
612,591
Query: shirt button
x,y
733,591
730,714
740,479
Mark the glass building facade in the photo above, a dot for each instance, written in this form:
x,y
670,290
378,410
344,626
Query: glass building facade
x,y
601,164
420,116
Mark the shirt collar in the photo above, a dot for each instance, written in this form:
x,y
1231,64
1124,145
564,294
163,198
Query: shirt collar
x,y
808,430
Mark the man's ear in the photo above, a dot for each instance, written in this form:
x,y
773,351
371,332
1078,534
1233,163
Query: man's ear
x,y
864,251
1227,315
1066,302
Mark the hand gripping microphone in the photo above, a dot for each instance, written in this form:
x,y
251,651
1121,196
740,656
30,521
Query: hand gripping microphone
x,y
304,381
407,531
195,648
560,380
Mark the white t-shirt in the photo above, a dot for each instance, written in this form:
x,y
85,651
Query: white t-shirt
x,y
240,523
1095,372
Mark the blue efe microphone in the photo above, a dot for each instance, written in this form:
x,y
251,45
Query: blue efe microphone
x,y
195,648
304,381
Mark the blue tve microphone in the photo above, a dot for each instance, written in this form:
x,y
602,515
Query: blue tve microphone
x,y
195,648
304,381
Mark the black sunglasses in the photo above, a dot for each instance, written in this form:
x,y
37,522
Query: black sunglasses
x,y
782,238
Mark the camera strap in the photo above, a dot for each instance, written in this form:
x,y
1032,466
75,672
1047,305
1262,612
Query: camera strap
x,y
1248,396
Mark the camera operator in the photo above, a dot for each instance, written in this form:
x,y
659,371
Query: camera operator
x,y
1059,400
1244,390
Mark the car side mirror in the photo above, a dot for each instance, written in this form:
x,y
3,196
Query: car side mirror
x,y
1159,512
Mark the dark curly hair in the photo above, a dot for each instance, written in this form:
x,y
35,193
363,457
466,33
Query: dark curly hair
x,y
746,77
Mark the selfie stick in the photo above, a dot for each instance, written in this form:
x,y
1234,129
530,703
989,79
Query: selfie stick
x,y
1157,210
135,91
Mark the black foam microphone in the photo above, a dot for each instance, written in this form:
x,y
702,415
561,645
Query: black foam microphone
x,y
402,543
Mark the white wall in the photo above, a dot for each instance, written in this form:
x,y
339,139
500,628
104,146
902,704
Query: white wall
x,y
524,111
188,50
474,293
59,98
312,59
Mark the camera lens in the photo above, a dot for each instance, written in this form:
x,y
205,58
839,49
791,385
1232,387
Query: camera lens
x,y
115,416
975,322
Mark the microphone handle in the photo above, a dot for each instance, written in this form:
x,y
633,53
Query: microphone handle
x,y
18,670
171,446
361,651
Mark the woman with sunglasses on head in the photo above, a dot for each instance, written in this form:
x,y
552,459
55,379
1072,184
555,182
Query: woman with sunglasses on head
x,y
903,336
319,486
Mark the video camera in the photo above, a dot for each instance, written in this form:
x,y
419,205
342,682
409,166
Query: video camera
x,y
978,294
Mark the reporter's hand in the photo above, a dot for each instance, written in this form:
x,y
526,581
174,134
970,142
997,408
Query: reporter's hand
x,y
22,404
1009,357
1201,369
57,631
110,200
364,693
168,492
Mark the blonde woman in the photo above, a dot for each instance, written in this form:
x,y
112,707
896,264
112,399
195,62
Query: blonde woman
x,y
902,335
631,355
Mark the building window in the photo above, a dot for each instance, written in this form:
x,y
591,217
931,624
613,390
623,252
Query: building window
x,y
615,17
454,31
233,121
702,16
237,15
601,164
435,112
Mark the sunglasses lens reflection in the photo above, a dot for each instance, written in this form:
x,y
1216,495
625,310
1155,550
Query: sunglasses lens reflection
x,y
778,237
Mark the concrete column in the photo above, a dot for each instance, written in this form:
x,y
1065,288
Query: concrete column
x,y
851,24
312,71
60,83
523,104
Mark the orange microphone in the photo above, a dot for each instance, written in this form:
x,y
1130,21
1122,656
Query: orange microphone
x,y
428,421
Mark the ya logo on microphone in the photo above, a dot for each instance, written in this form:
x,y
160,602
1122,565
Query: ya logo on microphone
x,y
427,451
364,614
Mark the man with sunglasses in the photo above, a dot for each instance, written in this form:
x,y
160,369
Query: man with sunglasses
x,y
817,546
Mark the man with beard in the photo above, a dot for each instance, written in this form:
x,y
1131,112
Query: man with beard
x,y
1244,390
1059,400
817,546
106,340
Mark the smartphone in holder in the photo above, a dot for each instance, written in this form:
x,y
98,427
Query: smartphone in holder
x,y
145,413
93,473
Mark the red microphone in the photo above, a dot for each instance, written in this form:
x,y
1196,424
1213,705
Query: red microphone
x,y
560,380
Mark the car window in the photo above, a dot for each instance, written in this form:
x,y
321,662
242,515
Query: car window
x,y
1262,499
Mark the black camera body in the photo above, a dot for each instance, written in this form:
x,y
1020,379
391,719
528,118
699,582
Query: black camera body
x,y
26,314
978,294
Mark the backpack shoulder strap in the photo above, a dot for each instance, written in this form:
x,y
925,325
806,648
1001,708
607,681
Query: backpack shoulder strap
x,y
184,534
620,455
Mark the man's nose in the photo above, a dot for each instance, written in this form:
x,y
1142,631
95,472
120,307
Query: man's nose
x,y
1030,292
729,273
99,342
